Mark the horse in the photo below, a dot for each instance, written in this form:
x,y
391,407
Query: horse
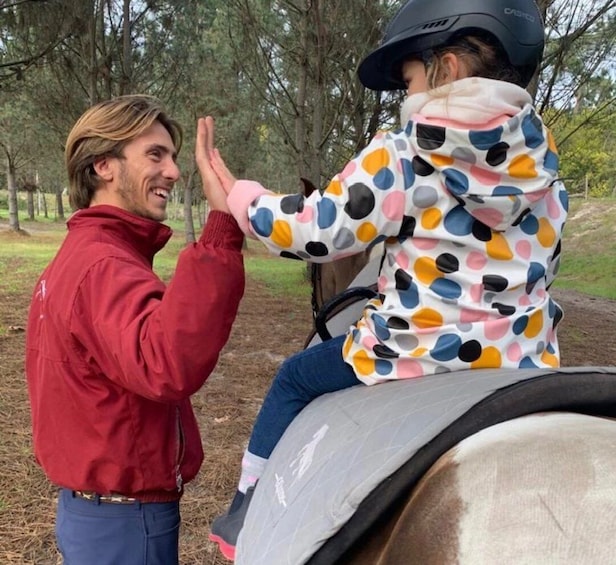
x,y
517,466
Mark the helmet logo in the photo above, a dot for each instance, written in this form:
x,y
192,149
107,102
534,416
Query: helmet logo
x,y
519,14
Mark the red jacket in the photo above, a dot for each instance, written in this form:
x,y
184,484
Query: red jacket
x,y
112,356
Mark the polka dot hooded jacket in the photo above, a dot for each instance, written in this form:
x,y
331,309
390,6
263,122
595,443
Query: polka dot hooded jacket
x,y
467,200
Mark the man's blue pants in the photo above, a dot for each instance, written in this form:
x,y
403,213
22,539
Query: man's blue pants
x,y
90,532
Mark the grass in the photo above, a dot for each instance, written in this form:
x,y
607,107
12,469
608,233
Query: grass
x,y
589,248
588,261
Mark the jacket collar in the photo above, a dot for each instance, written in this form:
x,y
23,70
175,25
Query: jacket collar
x,y
147,236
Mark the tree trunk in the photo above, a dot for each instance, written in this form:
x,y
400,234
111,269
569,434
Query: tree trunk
x,y
44,203
30,201
59,203
12,187
189,225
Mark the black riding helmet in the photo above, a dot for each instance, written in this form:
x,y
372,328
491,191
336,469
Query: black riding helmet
x,y
423,25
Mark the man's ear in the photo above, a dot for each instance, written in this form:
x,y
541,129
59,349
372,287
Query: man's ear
x,y
103,168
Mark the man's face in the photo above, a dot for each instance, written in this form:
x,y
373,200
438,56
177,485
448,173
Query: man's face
x,y
144,177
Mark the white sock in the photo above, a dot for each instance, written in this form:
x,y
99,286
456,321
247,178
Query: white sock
x,y
252,469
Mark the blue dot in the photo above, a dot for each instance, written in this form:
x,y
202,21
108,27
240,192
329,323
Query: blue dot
x,y
530,225
520,325
263,222
483,140
456,181
527,363
503,190
536,271
459,221
446,288
446,347
551,161
383,367
407,172
380,328
409,297
326,210
384,179
533,132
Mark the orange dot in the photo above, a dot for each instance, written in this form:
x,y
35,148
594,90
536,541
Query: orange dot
x,y
535,324
366,232
431,218
425,270
522,167
441,160
375,161
550,359
546,235
490,357
281,234
427,318
498,248
363,364
334,187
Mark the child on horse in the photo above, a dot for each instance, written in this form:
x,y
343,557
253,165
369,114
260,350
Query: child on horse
x,y
466,198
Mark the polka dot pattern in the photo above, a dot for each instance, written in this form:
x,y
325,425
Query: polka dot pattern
x,y
472,222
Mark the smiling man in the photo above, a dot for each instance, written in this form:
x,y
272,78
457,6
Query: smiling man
x,y
112,354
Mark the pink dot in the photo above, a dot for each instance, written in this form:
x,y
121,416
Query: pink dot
x,y
393,206
306,215
495,329
554,208
524,300
523,249
403,260
408,369
489,216
476,292
514,352
348,170
476,260
484,176
368,342
424,243
468,316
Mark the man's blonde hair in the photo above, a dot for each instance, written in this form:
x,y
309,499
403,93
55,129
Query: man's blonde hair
x,y
104,130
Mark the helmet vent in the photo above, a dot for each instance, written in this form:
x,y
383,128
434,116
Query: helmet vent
x,y
436,24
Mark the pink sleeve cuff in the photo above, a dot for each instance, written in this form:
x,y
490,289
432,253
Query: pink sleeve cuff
x,y
242,195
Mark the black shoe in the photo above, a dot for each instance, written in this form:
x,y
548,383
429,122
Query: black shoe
x,y
226,528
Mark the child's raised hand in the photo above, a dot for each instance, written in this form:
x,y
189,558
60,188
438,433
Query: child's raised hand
x,y
226,177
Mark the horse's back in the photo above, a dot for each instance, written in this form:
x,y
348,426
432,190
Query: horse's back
x,y
540,489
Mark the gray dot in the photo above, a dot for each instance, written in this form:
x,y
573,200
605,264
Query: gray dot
x,y
344,239
406,342
464,154
425,196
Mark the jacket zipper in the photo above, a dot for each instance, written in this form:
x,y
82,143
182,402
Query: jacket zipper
x,y
179,455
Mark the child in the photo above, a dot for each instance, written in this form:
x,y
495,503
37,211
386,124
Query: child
x,y
466,198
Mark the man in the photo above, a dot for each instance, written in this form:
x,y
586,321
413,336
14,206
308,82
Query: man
x,y
113,355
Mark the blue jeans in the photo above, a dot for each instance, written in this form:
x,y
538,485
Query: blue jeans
x,y
300,379
89,532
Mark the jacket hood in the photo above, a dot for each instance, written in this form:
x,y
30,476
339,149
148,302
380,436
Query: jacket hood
x,y
502,165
